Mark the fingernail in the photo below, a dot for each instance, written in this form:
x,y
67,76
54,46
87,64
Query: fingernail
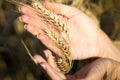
x,y
19,8
43,65
25,26
20,18
46,54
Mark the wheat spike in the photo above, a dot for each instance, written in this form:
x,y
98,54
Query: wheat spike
x,y
63,63
53,18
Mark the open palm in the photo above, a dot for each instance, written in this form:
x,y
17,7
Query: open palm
x,y
83,32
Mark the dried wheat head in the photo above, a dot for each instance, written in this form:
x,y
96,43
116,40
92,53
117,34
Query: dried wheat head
x,y
64,63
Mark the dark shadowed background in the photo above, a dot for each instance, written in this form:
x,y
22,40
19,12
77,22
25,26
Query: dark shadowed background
x,y
15,63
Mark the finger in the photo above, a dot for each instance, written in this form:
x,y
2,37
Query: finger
x,y
50,58
50,45
32,17
50,71
26,10
61,9
35,21
25,19
33,30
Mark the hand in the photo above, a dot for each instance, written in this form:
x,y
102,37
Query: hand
x,y
50,66
86,38
100,69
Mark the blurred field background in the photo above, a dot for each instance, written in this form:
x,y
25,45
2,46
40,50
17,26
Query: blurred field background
x,y
15,64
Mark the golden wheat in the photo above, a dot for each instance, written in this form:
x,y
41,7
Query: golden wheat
x,y
63,63
51,17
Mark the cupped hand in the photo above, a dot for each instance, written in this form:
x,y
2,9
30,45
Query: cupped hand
x,y
84,33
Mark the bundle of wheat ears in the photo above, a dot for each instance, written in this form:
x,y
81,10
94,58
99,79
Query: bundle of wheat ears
x,y
65,62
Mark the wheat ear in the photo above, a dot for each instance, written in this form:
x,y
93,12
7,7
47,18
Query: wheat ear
x,y
63,63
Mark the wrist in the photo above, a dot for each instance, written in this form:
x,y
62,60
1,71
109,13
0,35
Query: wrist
x,y
108,49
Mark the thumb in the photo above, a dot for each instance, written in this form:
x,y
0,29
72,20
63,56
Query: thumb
x,y
61,9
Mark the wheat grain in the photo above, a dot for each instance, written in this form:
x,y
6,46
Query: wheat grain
x,y
63,63
53,18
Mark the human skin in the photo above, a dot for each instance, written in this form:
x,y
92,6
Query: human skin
x,y
86,38
100,69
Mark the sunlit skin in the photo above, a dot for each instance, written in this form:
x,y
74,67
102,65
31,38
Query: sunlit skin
x,y
87,40
101,69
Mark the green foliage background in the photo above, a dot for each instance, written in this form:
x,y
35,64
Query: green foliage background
x,y
15,64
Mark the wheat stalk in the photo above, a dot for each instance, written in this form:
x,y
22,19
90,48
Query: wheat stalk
x,y
28,51
63,63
